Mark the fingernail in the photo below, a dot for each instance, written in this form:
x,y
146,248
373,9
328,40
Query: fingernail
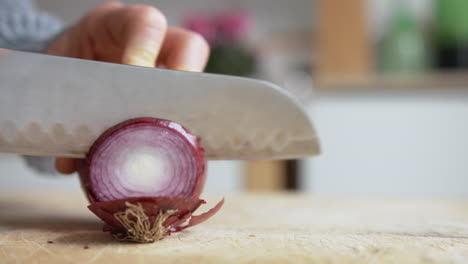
x,y
139,55
143,47
185,68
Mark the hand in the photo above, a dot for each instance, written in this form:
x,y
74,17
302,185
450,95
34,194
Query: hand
x,y
129,34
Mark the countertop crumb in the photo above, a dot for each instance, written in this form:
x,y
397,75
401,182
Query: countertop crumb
x,y
50,241
252,236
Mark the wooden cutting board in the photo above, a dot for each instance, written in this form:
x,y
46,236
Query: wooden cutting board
x,y
251,228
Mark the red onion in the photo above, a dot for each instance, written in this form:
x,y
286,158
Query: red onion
x,y
143,178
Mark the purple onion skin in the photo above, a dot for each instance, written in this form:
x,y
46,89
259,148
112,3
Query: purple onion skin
x,y
185,205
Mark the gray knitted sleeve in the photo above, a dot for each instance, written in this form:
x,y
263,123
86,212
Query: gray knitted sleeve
x,y
23,27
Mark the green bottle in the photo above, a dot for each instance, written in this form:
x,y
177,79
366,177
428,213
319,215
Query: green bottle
x,y
451,33
404,48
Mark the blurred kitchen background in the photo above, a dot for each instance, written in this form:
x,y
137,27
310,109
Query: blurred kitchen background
x,y
385,81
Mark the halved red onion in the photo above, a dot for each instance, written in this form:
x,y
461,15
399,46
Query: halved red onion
x,y
145,170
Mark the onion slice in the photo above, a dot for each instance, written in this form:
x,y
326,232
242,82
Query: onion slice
x,y
143,178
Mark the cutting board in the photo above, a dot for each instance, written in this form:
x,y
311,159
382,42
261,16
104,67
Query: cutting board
x,y
251,228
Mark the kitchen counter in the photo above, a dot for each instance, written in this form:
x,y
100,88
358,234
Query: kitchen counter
x,y
251,228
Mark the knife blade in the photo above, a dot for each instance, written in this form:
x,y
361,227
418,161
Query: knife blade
x,y
57,106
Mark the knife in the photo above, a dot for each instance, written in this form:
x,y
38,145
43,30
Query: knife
x,y
57,106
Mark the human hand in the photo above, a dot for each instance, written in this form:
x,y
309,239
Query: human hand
x,y
129,34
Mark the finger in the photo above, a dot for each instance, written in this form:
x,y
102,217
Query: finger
x,y
143,32
95,40
184,50
66,165
102,9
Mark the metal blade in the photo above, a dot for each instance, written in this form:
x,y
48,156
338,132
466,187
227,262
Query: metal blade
x,y
58,106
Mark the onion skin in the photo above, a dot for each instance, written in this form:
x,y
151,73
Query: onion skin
x,y
177,210
185,206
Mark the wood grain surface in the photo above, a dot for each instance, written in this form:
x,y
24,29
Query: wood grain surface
x,y
252,228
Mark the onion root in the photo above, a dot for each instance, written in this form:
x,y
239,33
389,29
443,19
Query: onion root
x,y
138,226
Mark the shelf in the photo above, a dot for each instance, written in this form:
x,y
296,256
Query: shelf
x,y
435,81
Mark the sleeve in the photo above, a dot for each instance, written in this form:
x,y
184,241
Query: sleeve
x,y
23,27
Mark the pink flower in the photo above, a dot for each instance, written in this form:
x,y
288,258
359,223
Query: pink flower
x,y
233,24
225,27
202,25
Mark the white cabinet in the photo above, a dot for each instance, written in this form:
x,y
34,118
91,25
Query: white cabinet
x,y
390,143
